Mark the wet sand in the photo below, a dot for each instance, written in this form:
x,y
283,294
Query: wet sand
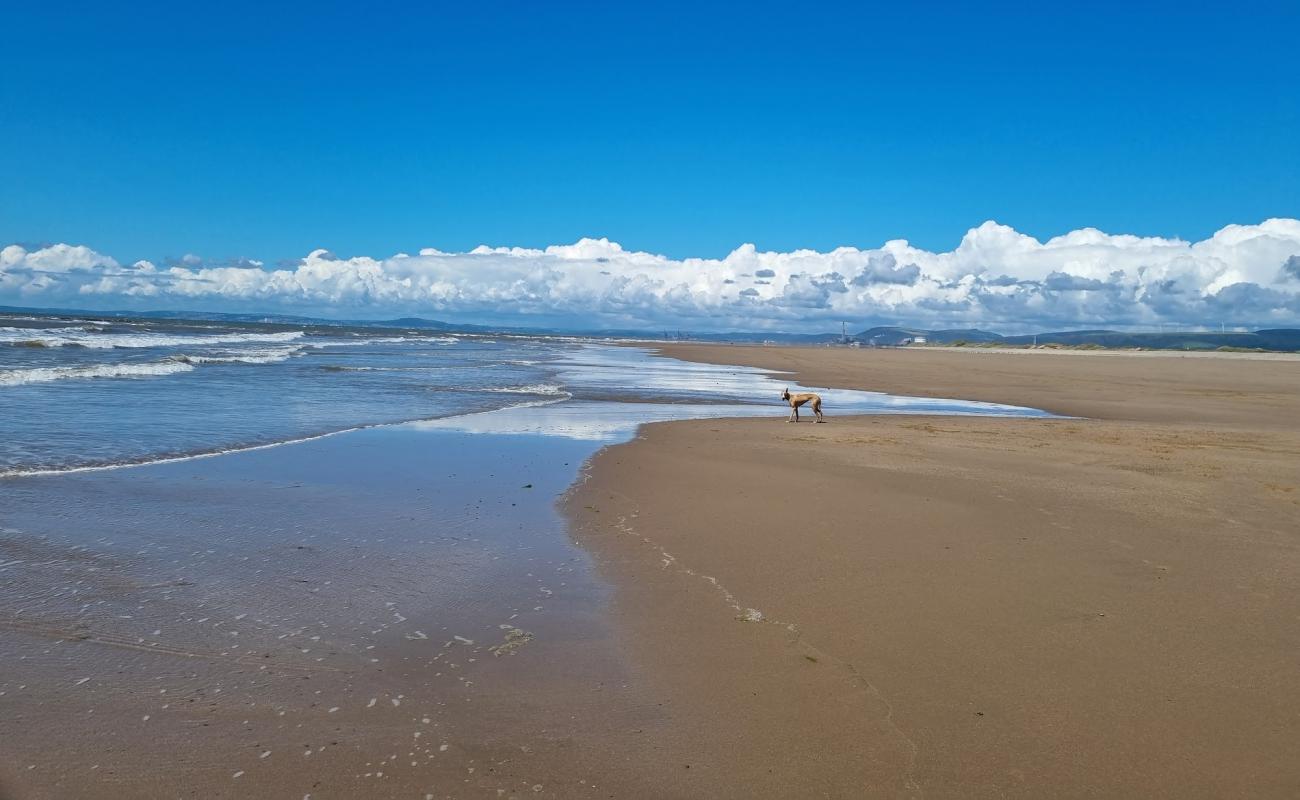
x,y
970,607
390,612
882,606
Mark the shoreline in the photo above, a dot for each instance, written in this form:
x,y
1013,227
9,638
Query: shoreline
x,y
720,665
399,602
406,597
1249,355
1121,387
963,606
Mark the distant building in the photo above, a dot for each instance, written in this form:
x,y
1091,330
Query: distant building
x,y
918,340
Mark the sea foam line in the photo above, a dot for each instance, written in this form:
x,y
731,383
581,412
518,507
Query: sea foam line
x,y
70,337
18,377
29,473
534,388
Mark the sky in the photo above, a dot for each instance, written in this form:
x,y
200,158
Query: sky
x,y
146,150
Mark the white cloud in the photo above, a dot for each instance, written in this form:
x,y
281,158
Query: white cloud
x,y
997,278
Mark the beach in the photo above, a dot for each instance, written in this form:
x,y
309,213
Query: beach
x,y
1098,606
645,583
337,569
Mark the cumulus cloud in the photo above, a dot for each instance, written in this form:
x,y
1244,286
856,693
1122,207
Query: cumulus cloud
x,y
1290,269
996,277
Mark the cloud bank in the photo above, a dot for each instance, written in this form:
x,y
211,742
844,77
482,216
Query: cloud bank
x,y
996,278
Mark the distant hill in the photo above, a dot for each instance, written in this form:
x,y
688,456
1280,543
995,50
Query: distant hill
x,y
1281,339
892,336
1272,339
268,319
289,319
1278,339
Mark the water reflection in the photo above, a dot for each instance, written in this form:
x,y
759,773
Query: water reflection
x,y
711,387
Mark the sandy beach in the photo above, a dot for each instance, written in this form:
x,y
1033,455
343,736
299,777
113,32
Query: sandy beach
x,y
1101,604
1104,606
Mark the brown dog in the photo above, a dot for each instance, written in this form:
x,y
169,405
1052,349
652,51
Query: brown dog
x,y
796,400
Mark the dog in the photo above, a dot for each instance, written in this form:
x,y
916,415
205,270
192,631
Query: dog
x,y
796,400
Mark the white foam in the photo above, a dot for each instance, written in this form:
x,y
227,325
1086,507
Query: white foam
x,y
22,472
546,389
389,340
83,337
17,377
263,356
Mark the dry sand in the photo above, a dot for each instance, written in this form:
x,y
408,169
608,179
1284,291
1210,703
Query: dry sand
x,y
968,607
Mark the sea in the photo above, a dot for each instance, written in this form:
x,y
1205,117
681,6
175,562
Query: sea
x,y
94,393
311,536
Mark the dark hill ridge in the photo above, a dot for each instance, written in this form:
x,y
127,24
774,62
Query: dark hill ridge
x,y
1280,339
1270,339
1276,339
891,336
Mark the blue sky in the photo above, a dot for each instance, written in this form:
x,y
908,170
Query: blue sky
x,y
152,131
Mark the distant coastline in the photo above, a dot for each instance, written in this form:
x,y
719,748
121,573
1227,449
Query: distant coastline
x,y
1261,340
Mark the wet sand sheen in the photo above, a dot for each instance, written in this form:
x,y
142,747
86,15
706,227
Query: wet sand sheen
x,y
382,612
306,620
971,607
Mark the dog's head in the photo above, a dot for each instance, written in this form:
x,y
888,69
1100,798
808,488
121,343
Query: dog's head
x,y
785,394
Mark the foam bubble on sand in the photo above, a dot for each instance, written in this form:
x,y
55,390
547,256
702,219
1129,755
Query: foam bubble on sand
x,y
515,639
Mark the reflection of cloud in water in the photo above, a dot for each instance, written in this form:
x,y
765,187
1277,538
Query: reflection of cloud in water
x,y
610,422
698,391
635,373
588,421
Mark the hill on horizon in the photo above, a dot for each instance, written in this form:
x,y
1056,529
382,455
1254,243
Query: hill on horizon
x,y
1267,339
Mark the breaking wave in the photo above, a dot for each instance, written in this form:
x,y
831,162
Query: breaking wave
x,y
388,340
17,377
250,357
547,389
85,337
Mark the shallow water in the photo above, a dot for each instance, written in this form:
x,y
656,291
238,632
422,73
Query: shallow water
x,y
96,394
405,598
339,598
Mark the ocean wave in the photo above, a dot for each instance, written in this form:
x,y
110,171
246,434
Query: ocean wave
x,y
422,368
547,389
18,377
83,337
249,357
388,340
